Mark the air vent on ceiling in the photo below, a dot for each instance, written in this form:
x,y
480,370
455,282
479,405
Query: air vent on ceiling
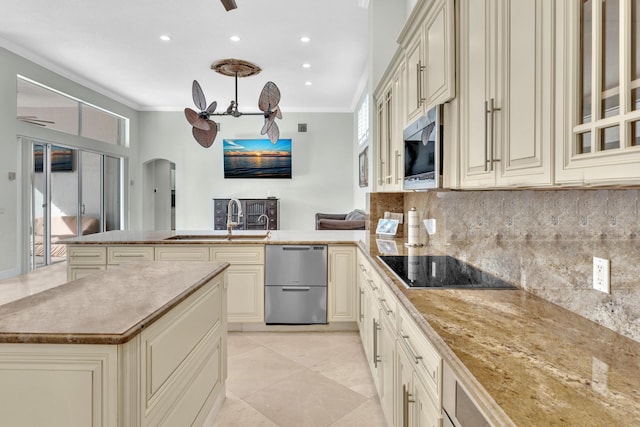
x,y
302,127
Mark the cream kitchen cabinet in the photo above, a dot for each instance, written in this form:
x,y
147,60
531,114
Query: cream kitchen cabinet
x,y
389,124
419,392
415,99
406,368
428,39
245,278
505,97
119,254
85,260
245,274
342,302
598,107
414,405
182,253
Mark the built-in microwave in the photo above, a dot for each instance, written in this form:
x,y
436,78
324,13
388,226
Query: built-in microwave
x,y
423,151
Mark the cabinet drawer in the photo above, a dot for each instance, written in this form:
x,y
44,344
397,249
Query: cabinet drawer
x,y
238,254
77,272
87,255
388,304
367,276
182,253
120,254
428,361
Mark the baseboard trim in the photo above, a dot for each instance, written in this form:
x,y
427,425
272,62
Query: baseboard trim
x,y
261,327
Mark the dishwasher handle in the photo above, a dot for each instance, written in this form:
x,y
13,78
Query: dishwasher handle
x,y
296,288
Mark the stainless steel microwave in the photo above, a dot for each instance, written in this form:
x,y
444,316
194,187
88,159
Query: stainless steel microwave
x,y
423,151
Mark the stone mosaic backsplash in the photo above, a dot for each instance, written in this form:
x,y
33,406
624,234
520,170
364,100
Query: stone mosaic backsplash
x,y
544,241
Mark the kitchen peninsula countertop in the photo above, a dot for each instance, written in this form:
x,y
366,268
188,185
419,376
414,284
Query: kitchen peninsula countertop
x,y
208,237
530,361
106,308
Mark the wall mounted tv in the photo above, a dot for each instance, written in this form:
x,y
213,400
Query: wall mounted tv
x,y
257,158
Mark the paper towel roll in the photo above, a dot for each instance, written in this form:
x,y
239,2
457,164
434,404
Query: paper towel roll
x,y
413,226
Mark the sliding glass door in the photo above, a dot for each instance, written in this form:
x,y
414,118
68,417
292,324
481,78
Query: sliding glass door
x,y
73,192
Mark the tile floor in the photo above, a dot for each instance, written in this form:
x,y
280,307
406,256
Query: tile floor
x,y
299,379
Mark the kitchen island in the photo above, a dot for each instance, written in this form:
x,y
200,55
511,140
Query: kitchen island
x,y
143,344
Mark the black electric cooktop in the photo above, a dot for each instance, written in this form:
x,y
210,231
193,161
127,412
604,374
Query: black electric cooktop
x,y
426,271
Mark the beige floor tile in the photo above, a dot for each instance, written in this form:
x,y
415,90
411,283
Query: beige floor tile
x,y
256,369
351,370
305,399
369,414
238,344
237,413
310,349
305,379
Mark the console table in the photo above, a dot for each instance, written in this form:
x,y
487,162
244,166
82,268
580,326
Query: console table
x,y
252,211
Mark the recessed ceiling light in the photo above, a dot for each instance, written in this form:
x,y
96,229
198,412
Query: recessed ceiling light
x,y
234,38
306,65
305,39
307,83
165,38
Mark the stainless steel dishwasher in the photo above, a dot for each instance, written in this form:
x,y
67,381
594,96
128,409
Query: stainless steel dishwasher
x,y
296,284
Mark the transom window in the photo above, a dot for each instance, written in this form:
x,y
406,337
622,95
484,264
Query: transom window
x,y
43,106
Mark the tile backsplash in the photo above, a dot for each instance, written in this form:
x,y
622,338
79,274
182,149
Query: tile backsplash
x,y
544,241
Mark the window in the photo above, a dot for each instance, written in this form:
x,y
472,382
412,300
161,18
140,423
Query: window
x,y
363,122
608,76
46,107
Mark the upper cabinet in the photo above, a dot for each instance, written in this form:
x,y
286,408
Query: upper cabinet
x,y
428,42
389,122
598,96
505,98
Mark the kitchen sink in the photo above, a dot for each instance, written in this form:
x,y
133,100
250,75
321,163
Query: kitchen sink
x,y
220,237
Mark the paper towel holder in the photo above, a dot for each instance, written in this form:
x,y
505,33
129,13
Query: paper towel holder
x,y
412,222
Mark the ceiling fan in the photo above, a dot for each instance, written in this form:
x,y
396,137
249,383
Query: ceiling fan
x,y
229,4
34,120
205,130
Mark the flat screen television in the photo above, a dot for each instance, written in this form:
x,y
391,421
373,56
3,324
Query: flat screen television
x,y
257,158
423,152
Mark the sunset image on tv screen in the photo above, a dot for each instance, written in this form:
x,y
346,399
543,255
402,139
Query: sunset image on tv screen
x,y
257,158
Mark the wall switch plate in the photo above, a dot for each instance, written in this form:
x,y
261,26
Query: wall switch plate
x,y
601,275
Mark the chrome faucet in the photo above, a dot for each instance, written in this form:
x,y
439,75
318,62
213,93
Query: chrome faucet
x,y
266,220
230,222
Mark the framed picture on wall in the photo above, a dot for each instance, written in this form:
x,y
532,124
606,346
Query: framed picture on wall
x,y
363,167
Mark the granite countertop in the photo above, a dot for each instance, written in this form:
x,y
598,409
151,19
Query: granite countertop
x,y
109,307
208,237
531,361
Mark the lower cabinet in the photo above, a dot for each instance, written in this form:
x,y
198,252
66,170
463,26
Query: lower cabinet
x,y
414,401
342,284
245,278
245,273
406,369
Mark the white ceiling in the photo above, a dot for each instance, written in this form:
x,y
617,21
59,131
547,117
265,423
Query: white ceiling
x,y
114,47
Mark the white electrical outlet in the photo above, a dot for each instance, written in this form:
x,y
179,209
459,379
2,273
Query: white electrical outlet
x,y
601,275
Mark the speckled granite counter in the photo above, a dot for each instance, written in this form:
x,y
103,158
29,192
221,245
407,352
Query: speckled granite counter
x,y
106,308
541,364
